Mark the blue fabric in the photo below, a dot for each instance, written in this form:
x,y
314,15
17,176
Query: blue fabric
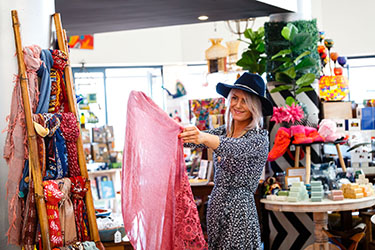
x,y
56,155
61,155
24,186
45,83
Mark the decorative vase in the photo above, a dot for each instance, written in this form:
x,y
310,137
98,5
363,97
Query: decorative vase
x,y
216,56
333,88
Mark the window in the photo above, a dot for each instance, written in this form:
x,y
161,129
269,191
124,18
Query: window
x,y
361,78
110,87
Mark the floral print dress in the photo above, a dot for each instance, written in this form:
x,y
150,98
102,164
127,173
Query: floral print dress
x,y
232,219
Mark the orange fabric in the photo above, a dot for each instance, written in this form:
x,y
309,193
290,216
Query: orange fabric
x,y
282,141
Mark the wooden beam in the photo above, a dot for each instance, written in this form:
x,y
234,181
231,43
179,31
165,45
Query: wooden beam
x,y
72,103
31,137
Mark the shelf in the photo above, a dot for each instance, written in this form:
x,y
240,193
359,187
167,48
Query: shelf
x,y
104,172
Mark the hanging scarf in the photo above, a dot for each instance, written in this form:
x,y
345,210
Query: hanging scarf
x,y
15,149
58,101
53,195
45,81
158,207
78,191
29,227
70,131
57,167
66,213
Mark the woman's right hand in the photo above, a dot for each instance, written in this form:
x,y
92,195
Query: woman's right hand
x,y
192,134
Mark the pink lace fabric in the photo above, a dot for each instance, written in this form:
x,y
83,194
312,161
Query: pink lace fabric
x,y
15,149
157,203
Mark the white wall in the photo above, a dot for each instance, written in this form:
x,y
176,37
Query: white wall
x,y
350,24
34,16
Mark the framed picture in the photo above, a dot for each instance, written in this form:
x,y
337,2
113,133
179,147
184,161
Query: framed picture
x,y
85,135
87,151
109,133
100,152
291,179
301,171
99,135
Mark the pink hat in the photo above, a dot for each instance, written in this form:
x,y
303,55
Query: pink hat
x,y
328,129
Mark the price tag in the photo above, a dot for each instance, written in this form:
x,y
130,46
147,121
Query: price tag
x,y
117,236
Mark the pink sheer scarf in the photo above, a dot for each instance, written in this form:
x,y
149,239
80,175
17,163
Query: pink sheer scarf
x,y
157,203
15,149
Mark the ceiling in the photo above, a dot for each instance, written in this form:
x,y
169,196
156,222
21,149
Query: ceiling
x,y
81,17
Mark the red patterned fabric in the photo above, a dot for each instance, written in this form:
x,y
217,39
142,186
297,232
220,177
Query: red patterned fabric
x,y
70,132
53,195
158,207
78,191
60,59
58,98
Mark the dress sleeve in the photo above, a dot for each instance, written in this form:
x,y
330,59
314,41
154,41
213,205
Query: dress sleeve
x,y
243,147
216,131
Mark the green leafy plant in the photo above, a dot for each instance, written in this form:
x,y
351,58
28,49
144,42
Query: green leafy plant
x,y
294,69
254,58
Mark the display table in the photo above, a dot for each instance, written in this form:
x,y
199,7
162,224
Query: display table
x,y
320,214
308,156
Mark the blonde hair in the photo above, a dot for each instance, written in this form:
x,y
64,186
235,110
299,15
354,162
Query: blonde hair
x,y
254,105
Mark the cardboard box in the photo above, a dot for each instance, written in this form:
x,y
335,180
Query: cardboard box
x,y
337,110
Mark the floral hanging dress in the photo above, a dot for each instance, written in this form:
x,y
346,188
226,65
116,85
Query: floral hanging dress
x,y
232,219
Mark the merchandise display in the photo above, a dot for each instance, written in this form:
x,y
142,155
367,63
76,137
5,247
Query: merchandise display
x,y
317,192
297,192
49,163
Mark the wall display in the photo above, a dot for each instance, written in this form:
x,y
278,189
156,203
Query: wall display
x,y
201,109
81,42
100,152
99,135
85,135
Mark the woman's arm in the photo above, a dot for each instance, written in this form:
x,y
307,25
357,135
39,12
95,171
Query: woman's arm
x,y
193,135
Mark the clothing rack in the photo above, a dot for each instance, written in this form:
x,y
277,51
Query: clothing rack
x,y
32,139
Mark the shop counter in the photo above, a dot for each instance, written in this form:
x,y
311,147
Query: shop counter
x,y
320,214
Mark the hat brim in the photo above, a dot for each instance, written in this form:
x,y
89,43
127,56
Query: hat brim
x,y
224,89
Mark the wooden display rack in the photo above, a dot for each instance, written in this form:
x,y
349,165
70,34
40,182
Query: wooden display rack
x,y
31,136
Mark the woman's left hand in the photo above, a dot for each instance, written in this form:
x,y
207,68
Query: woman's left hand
x,y
192,134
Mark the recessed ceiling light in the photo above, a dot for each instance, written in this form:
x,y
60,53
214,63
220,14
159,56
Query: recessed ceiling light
x,y
203,18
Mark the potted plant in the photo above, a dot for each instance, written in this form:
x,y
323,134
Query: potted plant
x,y
254,58
294,73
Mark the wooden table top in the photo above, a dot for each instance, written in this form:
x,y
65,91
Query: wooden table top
x,y
322,206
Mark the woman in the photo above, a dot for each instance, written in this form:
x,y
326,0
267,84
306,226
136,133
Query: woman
x,y
240,152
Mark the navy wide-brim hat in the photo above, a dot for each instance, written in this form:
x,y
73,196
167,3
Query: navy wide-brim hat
x,y
251,83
